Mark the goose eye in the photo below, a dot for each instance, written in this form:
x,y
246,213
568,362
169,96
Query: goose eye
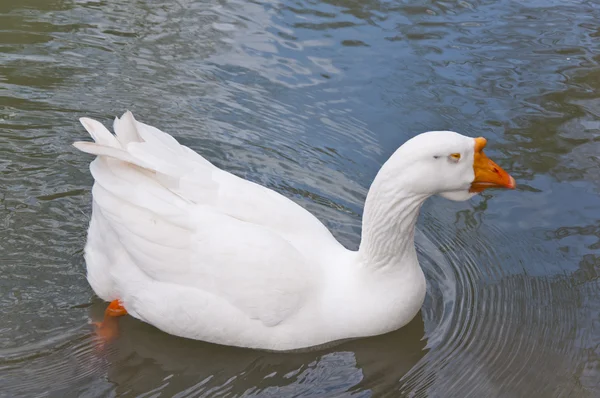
x,y
455,157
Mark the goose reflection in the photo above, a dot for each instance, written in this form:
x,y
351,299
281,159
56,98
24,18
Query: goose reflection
x,y
143,359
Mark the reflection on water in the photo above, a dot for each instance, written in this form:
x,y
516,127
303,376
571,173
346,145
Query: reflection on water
x,y
309,98
144,359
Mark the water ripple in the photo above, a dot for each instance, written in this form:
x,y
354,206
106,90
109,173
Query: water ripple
x,y
504,335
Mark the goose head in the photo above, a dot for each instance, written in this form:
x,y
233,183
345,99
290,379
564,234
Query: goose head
x,y
441,163
444,163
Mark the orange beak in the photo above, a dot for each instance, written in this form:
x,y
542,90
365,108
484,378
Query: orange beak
x,y
487,173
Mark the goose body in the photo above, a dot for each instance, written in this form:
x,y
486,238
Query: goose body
x,y
203,254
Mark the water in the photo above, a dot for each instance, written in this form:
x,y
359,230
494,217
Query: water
x,y
309,98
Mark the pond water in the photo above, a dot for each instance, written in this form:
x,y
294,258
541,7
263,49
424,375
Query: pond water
x,y
310,97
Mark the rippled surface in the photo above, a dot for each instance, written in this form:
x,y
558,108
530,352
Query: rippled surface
x,y
309,98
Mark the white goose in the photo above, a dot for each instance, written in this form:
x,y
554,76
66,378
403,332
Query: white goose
x,y
200,253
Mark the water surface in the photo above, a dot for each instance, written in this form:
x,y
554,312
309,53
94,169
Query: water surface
x,y
310,98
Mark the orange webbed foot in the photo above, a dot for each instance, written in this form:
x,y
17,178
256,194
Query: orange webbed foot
x,y
108,329
115,308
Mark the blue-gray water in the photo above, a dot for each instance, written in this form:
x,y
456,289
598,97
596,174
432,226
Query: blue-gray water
x,y
310,98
